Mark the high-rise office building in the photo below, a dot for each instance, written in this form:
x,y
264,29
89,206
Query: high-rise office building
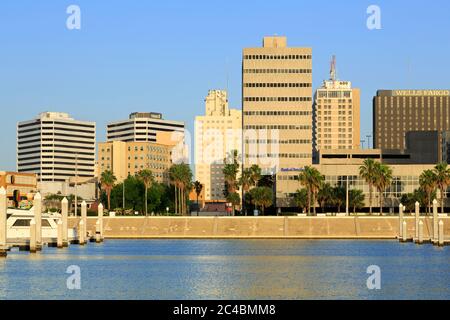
x,y
151,127
142,127
128,158
396,112
277,112
56,147
217,133
336,114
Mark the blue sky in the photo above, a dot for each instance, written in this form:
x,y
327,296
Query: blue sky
x,y
164,56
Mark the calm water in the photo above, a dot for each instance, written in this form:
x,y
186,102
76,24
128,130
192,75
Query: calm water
x,y
236,269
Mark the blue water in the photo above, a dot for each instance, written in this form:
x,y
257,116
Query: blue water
x,y
229,269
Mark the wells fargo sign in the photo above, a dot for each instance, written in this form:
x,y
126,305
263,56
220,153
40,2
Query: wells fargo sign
x,y
430,93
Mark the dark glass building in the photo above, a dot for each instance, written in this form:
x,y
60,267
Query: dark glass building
x,y
396,112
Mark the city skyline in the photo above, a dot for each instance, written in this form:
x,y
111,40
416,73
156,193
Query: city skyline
x,y
101,82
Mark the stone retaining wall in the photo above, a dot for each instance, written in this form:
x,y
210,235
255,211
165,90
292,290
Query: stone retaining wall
x,y
257,227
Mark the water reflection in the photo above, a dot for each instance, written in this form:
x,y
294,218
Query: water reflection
x,y
229,269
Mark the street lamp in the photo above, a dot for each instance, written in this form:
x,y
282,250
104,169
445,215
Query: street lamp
x,y
368,141
167,210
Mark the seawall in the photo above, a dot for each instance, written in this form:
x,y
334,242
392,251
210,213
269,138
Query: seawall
x,y
257,227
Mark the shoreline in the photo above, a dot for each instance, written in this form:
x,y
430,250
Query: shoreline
x,y
301,228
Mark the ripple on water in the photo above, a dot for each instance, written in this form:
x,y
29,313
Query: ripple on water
x,y
229,269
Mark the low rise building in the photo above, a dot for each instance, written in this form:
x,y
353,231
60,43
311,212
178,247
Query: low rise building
x,y
128,158
19,186
343,165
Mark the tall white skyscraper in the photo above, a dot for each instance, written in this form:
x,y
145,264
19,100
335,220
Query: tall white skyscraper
x,y
217,133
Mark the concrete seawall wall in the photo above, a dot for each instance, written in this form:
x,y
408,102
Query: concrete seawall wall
x,y
254,228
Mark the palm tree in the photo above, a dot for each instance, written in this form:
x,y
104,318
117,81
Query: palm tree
x,y
301,199
356,199
339,194
198,187
175,178
367,172
230,172
325,195
382,180
246,182
442,173
255,173
107,180
312,180
234,199
185,184
146,176
262,196
427,182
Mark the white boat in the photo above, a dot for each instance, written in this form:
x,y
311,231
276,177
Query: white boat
x,y
18,226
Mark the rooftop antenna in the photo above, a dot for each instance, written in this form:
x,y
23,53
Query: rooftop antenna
x,y
333,68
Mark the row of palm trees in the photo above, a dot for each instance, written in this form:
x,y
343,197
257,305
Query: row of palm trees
x,y
330,196
260,196
180,177
377,175
436,179
108,180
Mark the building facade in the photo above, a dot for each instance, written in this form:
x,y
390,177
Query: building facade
x,y
336,114
142,127
57,148
217,133
19,186
277,112
396,112
128,158
405,180
151,127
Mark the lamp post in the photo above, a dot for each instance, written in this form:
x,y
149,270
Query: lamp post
x,y
368,141
346,199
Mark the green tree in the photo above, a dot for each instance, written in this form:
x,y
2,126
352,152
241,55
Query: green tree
x,y
301,199
442,173
367,172
146,176
198,187
409,201
263,197
325,196
181,177
107,180
339,195
356,199
234,199
246,182
230,172
428,183
383,179
255,174
312,180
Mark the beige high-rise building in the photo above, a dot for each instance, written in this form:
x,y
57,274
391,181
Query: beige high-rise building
x,y
336,114
128,158
217,133
152,127
277,112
